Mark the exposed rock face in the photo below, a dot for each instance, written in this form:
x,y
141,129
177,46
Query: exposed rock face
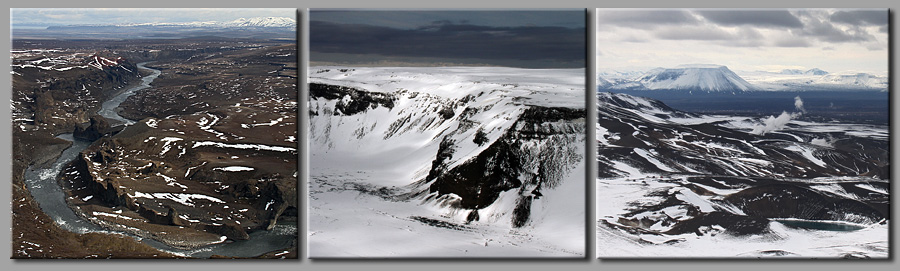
x,y
98,127
536,147
359,100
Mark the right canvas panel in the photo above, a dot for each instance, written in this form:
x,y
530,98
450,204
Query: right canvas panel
x,y
742,133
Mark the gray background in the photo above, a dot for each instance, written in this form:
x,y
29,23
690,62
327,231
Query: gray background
x,y
521,264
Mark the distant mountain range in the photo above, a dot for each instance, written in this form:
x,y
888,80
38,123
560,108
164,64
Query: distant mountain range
x,y
813,71
719,79
281,28
242,22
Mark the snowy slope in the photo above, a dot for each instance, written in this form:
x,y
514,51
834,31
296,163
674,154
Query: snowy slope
x,y
384,143
677,184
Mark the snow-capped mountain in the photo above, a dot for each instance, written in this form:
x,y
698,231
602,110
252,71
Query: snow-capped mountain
x,y
700,78
710,78
677,184
241,22
813,71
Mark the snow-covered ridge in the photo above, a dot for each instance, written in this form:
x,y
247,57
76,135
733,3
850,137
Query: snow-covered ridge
x,y
815,79
813,71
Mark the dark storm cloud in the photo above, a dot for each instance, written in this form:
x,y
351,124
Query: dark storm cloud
x,y
759,18
637,18
445,39
861,17
410,19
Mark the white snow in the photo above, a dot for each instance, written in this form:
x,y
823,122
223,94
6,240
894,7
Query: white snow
x,y
182,198
689,196
807,153
258,147
650,157
166,141
234,168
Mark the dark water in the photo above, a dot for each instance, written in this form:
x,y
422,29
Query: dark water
x,y
47,192
820,225
869,107
108,109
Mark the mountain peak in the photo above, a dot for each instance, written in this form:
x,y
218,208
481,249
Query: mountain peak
x,y
699,77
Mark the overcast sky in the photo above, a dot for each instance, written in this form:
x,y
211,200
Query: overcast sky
x,y
81,16
834,40
528,38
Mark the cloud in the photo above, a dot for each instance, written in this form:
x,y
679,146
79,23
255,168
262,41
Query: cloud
x,y
636,18
411,19
861,17
828,32
759,18
793,42
446,40
692,33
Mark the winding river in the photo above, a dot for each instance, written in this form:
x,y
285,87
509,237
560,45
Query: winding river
x,y
48,193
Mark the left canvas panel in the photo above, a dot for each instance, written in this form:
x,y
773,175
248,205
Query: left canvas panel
x,y
154,133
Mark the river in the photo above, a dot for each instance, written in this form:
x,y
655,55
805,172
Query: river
x,y
49,195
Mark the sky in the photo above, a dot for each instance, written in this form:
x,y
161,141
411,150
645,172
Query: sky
x,y
520,38
834,40
82,16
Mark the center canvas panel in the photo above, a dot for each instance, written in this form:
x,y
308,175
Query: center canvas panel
x,y
447,133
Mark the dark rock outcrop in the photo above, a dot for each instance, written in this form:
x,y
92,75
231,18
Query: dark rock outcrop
x,y
359,100
97,128
790,201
